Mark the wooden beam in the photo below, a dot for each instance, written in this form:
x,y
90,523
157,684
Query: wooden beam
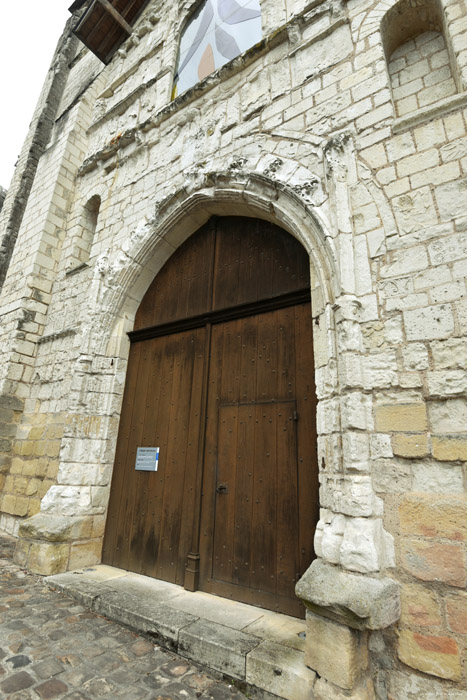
x,y
116,15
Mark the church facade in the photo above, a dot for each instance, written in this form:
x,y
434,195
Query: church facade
x,y
234,317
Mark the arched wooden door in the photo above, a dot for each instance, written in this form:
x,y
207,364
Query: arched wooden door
x,y
220,379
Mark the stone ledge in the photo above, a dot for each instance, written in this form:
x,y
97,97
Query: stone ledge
x,y
438,109
251,647
360,602
55,528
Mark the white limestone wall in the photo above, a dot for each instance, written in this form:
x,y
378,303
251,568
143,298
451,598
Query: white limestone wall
x,y
302,131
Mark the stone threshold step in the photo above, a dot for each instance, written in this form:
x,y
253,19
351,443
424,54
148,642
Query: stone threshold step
x,y
262,650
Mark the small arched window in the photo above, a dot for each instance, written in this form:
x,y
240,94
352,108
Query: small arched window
x,y
420,66
217,32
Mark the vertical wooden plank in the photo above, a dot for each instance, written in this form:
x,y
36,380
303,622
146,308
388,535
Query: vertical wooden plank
x,y
287,556
133,480
113,536
263,523
210,456
286,354
145,553
222,567
165,363
231,362
192,437
244,495
266,360
182,288
181,348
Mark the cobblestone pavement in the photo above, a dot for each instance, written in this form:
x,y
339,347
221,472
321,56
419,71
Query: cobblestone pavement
x,y
52,647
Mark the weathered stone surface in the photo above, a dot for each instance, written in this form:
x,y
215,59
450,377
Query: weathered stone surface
x,y
324,690
336,652
223,648
55,528
434,561
401,417
438,656
406,445
434,516
280,671
412,687
47,559
349,135
449,449
360,602
420,607
448,416
456,607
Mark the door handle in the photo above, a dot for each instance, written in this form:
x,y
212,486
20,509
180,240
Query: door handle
x,y
222,488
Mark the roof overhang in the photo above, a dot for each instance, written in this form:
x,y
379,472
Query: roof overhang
x,y
106,24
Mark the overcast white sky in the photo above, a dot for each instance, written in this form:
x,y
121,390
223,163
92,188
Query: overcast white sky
x,y
30,32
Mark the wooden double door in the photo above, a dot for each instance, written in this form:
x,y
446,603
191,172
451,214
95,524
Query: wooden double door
x,y
220,378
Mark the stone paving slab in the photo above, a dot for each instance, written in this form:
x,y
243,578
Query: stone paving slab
x,y
279,670
262,649
53,648
221,648
161,623
225,612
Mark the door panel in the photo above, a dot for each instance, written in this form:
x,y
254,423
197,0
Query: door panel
x,y
150,513
260,464
231,405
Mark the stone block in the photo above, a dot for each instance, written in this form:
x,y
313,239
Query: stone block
x,y
328,536
21,506
449,353
76,586
22,552
449,449
437,477
437,656
222,648
359,602
447,382
380,446
412,687
366,547
448,416
55,528
408,417
336,652
433,561
456,607
407,445
98,526
279,670
419,606
85,554
450,198
328,691
434,516
17,682
429,323
47,559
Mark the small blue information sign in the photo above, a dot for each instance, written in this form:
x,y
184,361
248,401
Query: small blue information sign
x,y
147,459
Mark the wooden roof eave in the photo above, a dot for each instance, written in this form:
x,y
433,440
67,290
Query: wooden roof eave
x,y
106,24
